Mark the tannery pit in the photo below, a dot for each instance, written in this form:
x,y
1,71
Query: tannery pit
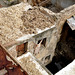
x,y
65,50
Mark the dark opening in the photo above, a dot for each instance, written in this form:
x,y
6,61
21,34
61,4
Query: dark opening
x,y
25,46
21,49
47,58
65,50
43,42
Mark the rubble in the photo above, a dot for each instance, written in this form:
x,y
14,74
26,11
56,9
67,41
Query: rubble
x,y
35,19
38,37
11,20
22,22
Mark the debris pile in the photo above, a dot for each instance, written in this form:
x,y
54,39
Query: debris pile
x,y
33,19
14,22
